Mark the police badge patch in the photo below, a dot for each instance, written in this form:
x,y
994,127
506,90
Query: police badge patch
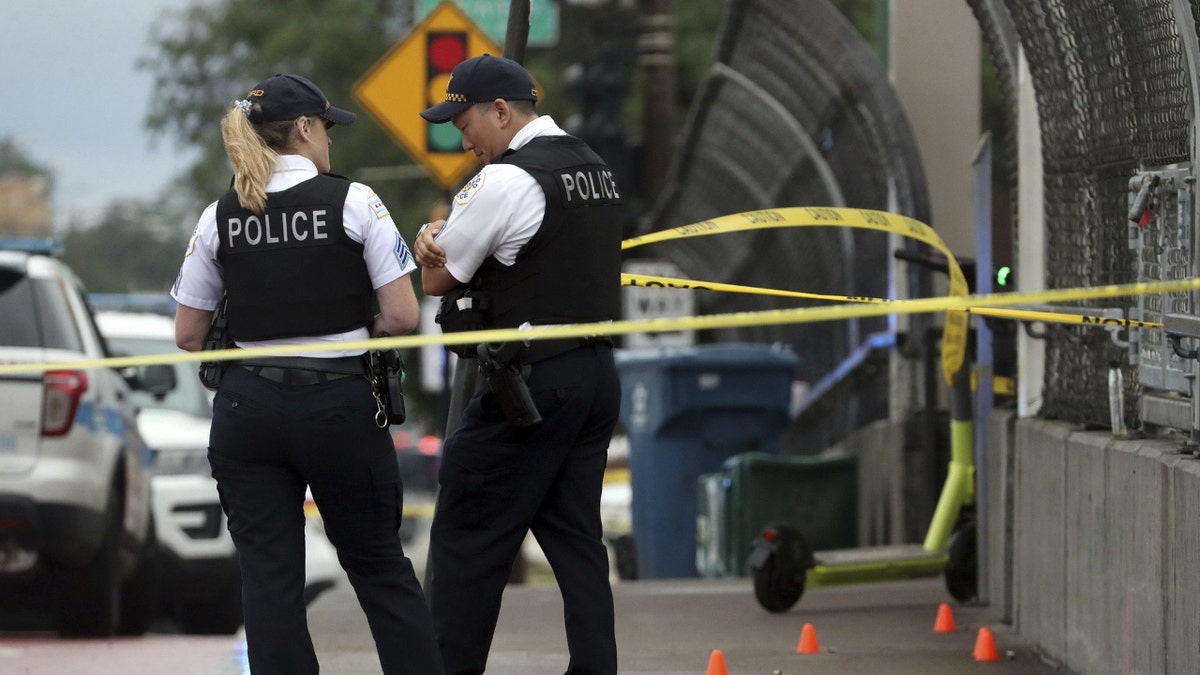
x,y
468,191
377,206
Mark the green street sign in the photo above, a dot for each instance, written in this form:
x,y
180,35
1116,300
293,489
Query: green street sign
x,y
492,18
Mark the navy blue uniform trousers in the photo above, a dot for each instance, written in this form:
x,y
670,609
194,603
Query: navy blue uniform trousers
x,y
268,442
499,482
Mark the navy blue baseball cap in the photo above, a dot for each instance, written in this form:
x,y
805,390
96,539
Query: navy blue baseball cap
x,y
482,79
286,97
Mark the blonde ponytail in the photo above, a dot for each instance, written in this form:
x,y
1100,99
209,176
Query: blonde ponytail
x,y
252,150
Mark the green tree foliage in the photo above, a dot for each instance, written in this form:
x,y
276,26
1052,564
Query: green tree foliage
x,y
210,54
135,247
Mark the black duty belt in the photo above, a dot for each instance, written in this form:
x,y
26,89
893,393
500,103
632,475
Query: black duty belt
x,y
540,350
304,370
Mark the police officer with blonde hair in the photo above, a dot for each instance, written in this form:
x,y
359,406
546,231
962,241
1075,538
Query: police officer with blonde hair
x,y
301,256
533,239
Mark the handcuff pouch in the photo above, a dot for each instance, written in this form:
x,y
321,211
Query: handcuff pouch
x,y
463,309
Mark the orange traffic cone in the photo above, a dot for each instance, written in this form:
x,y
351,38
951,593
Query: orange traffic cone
x,y
808,641
716,663
945,620
985,646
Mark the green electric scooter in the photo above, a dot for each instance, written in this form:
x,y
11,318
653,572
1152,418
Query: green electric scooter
x,y
783,564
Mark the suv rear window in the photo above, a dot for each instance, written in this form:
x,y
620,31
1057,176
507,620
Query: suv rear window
x,y
36,314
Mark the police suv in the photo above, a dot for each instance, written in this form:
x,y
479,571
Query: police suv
x,y
77,536
201,586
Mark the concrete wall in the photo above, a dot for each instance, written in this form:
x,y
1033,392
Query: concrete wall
x,y
997,590
879,447
1104,539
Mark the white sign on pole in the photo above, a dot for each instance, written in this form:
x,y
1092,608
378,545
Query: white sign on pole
x,y
656,301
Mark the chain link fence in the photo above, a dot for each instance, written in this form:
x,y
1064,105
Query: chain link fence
x,y
1114,99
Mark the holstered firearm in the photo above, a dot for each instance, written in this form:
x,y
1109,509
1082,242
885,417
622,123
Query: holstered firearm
x,y
387,380
212,372
500,363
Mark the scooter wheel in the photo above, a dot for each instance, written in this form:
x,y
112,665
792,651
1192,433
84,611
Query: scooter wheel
x,y
778,566
962,566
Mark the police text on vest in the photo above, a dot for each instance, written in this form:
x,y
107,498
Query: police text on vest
x,y
589,185
277,227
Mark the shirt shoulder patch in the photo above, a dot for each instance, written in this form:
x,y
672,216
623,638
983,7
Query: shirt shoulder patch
x,y
191,247
377,206
472,188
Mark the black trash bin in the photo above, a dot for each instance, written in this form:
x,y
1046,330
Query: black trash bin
x,y
686,410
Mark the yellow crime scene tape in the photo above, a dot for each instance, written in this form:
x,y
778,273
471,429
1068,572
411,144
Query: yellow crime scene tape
x,y
957,304
954,332
652,281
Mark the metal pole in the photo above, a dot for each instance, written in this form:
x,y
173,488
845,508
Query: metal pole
x,y
656,53
517,34
1184,21
984,396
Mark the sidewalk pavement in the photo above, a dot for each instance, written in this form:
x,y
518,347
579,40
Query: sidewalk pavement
x,y
672,626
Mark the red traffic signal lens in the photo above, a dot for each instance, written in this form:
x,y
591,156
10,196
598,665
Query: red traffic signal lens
x,y
446,50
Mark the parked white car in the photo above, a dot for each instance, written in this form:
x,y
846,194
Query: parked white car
x,y
201,583
76,529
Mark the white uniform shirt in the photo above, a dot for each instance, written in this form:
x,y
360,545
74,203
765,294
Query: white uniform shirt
x,y
200,283
496,212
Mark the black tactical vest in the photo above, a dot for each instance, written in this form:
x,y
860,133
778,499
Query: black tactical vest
x,y
570,271
293,271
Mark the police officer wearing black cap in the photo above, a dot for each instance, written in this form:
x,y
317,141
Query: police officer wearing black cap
x,y
533,239
302,256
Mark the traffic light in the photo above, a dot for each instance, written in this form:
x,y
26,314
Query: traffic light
x,y
443,51
600,89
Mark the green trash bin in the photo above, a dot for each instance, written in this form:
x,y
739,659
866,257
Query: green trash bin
x,y
817,494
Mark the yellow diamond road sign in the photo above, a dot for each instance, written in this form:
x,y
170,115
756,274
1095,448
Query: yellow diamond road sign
x,y
412,76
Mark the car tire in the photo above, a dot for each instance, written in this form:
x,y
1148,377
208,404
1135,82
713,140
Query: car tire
x,y
140,592
962,567
89,598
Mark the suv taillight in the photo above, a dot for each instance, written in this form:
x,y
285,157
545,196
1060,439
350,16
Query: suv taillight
x,y
61,391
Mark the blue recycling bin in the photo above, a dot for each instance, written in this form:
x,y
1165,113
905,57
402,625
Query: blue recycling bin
x,y
687,410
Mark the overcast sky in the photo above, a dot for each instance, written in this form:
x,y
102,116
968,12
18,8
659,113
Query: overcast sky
x,y
75,101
